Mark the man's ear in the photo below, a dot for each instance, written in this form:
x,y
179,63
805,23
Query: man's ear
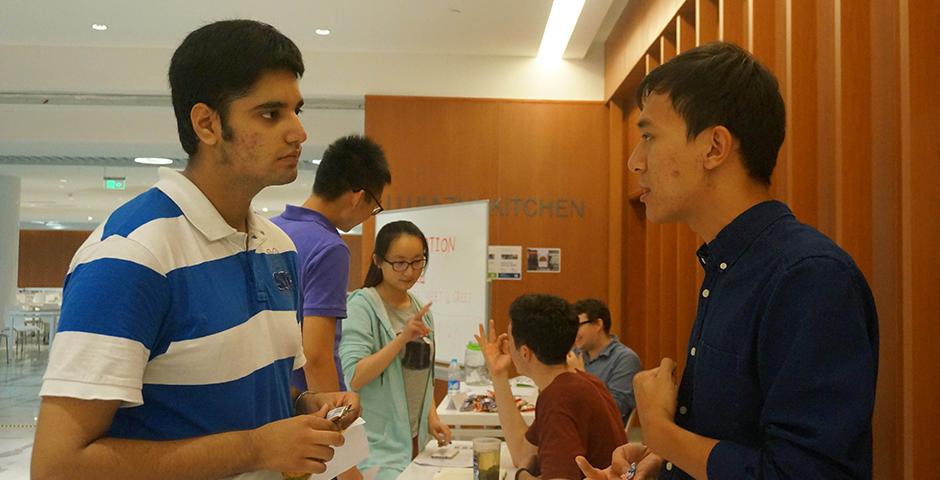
x,y
206,123
357,198
719,147
526,353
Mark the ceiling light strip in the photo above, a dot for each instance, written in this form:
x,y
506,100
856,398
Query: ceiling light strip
x,y
558,29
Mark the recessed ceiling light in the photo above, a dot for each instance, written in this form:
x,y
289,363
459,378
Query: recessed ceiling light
x,y
558,29
61,186
62,180
315,161
91,218
99,27
153,160
265,209
322,31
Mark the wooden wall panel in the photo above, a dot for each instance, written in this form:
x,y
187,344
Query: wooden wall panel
x,y
860,162
462,149
706,21
920,134
45,256
618,193
636,256
356,272
640,25
802,103
885,134
732,21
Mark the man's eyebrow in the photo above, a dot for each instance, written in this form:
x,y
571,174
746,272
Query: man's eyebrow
x,y
644,123
270,105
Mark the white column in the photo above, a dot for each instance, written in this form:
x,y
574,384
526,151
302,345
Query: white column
x,y
9,243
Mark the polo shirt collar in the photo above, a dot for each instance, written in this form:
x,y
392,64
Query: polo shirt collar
x,y
304,214
200,212
734,239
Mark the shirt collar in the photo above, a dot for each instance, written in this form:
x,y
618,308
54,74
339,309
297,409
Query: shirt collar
x,y
304,214
199,210
737,236
607,350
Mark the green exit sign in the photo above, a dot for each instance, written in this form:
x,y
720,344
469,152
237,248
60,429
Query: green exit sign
x,y
114,183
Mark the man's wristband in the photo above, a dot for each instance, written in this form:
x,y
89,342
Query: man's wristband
x,y
518,472
297,400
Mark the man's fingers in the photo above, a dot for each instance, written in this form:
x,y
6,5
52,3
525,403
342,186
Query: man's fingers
x,y
492,330
667,365
587,469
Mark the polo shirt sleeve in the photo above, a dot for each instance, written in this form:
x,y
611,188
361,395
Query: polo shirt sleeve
x,y
817,363
325,277
114,303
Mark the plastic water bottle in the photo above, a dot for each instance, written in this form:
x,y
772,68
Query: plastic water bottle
x,y
453,377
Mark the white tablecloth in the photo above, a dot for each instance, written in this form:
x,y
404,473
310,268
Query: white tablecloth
x,y
423,467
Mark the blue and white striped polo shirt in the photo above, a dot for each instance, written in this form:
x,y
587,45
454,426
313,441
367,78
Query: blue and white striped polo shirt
x,y
167,310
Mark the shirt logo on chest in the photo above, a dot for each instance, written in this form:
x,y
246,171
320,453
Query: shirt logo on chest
x,y
283,281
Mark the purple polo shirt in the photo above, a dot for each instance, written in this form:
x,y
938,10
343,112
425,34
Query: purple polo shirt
x,y
323,264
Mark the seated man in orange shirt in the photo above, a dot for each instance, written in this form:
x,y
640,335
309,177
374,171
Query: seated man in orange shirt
x,y
575,414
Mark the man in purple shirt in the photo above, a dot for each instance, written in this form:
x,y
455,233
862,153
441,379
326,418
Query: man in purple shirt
x,y
349,182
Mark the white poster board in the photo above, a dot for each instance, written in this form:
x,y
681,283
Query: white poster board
x,y
456,277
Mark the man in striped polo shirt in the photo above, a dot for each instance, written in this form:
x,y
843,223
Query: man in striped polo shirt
x,y
179,325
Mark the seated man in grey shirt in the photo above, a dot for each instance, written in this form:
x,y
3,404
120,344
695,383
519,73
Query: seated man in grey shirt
x,y
601,354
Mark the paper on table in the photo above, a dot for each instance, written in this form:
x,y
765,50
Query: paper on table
x,y
464,457
355,450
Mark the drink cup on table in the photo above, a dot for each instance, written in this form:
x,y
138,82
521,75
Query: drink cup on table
x,y
486,458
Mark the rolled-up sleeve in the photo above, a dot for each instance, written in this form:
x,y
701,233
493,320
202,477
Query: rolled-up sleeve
x,y
817,366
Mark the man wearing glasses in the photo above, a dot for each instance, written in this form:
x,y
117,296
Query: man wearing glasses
x,y
601,354
349,181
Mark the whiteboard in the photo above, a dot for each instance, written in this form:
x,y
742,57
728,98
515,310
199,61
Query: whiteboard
x,y
455,278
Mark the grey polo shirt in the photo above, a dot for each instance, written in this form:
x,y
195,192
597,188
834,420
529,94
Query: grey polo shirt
x,y
615,366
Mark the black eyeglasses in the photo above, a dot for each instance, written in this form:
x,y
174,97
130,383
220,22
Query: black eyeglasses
x,y
416,265
585,322
378,206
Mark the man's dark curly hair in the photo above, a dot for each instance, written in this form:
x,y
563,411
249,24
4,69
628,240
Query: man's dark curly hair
x,y
544,323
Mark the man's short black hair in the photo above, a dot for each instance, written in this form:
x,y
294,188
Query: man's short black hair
x,y
722,84
594,309
546,324
351,163
219,63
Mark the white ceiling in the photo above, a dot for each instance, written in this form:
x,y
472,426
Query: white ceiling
x,y
476,27
473,48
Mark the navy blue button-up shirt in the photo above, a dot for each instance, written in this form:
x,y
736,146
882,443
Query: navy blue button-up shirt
x,y
783,355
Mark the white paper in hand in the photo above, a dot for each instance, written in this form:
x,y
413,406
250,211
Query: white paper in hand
x,y
355,450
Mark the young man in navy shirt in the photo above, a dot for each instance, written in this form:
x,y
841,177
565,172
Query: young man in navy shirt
x,y
783,355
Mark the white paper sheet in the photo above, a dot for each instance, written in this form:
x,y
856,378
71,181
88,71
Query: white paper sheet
x,y
355,450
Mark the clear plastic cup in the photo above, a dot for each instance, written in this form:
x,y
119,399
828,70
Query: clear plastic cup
x,y
486,458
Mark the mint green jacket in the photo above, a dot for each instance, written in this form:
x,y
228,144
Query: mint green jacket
x,y
366,329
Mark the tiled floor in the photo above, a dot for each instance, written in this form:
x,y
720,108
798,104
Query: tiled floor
x,y
20,380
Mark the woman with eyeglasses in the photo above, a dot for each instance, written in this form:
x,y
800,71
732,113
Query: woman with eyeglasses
x,y
387,352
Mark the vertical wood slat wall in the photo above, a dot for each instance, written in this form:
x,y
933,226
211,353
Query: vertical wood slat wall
x,y
861,162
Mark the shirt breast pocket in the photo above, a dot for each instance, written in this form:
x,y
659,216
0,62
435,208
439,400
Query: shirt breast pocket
x,y
726,393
